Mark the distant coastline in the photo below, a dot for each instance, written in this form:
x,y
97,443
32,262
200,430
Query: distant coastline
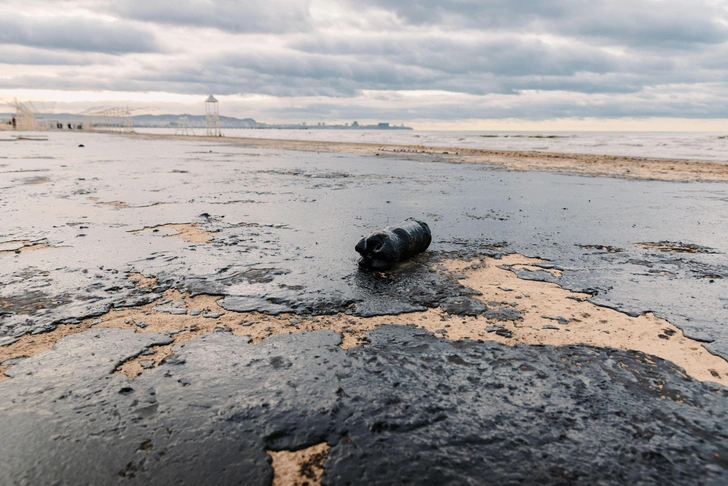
x,y
198,122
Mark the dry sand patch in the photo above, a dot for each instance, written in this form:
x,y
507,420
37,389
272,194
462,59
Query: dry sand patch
x,y
543,303
191,233
21,246
143,282
304,467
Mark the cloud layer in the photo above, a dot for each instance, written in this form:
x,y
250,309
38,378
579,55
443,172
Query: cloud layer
x,y
338,59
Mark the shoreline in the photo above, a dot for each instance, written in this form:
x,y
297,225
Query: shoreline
x,y
587,165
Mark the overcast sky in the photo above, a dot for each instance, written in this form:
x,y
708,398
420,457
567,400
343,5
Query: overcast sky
x,y
452,63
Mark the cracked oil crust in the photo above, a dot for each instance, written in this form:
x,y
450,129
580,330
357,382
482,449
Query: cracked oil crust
x,y
304,467
581,164
270,193
143,282
30,345
407,407
540,305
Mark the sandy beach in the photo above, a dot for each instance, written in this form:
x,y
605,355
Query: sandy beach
x,y
589,165
219,260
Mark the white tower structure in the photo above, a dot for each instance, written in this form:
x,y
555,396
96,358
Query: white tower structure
x,y
212,117
183,127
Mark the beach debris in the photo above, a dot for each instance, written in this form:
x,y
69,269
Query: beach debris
x,y
506,333
383,249
505,312
147,363
463,306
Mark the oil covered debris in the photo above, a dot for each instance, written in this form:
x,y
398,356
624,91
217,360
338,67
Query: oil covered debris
x,y
385,248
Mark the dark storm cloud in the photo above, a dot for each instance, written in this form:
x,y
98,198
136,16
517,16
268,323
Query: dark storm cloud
x,y
275,16
77,34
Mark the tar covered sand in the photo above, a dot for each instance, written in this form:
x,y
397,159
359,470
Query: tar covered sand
x,y
546,314
194,313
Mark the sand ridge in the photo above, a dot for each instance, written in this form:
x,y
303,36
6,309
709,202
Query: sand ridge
x,y
624,167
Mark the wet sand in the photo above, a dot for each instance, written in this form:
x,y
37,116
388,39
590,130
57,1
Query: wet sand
x,y
642,168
